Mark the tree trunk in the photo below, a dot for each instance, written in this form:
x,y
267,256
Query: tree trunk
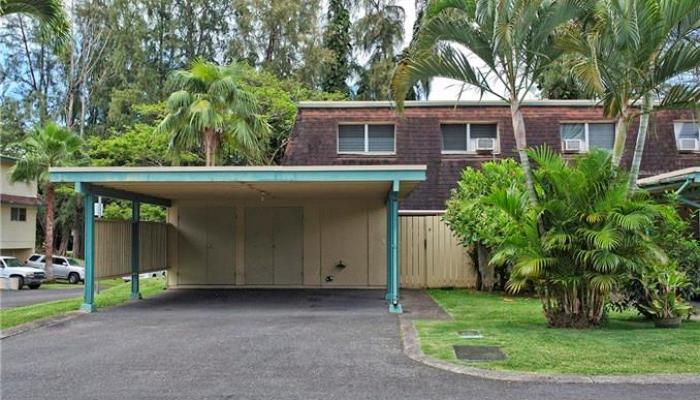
x,y
486,271
49,197
211,145
63,247
521,144
647,106
621,127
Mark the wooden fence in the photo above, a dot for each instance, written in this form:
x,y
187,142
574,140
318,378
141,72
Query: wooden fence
x,y
431,256
113,247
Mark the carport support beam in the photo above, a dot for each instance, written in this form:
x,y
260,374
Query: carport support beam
x,y
135,250
89,248
393,249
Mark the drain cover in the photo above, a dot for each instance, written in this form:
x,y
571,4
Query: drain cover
x,y
479,353
470,334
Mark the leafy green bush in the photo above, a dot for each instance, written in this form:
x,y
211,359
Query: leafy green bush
x,y
662,283
581,240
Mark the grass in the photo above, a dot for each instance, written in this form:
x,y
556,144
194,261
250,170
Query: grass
x,y
118,293
625,345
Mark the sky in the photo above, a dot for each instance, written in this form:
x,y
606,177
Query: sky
x,y
441,89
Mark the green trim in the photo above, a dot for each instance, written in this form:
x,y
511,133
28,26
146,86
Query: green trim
x,y
89,247
121,194
135,250
689,202
237,175
393,274
684,185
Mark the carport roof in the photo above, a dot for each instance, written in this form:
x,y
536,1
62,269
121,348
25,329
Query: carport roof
x,y
159,185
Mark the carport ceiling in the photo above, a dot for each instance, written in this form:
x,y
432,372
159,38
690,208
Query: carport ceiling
x,y
249,183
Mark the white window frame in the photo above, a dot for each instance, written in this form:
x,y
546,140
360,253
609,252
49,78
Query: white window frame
x,y
685,121
468,124
366,151
586,139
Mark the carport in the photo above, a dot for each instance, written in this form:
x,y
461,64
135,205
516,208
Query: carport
x,y
685,183
281,226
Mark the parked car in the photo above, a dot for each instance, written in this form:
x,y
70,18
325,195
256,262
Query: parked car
x,y
63,267
30,276
145,275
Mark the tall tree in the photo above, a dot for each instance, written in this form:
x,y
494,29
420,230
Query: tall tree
x,y
635,52
337,39
47,147
379,35
49,13
210,108
510,43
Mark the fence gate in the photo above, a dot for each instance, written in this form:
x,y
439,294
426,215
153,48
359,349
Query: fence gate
x,y
431,256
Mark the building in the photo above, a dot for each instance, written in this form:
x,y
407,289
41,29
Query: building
x,y
444,137
18,211
330,216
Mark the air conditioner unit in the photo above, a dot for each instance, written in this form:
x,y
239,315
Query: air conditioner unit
x,y
687,144
573,145
485,144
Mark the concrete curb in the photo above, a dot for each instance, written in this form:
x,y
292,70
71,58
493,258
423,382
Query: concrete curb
x,y
40,323
411,347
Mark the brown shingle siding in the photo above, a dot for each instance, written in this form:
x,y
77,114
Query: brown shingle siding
x,y
418,141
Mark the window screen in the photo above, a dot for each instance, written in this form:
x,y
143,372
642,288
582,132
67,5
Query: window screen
x,y
18,214
573,131
601,136
454,137
479,131
686,130
380,138
351,138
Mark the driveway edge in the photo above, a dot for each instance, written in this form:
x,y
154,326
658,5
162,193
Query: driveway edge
x,y
411,347
40,323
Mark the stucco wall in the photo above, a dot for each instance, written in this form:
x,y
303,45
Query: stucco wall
x,y
349,231
17,234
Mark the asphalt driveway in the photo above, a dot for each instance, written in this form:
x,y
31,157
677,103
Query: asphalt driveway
x,y
24,297
243,344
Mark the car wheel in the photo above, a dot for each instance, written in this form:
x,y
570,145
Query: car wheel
x,y
73,278
34,285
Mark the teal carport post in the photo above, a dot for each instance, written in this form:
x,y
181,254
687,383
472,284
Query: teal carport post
x,y
135,251
392,206
89,247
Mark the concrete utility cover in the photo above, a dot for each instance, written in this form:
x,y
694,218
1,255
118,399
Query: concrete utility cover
x,y
470,334
479,353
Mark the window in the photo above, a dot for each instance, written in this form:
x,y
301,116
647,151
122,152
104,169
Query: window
x,y
687,135
18,214
366,139
463,138
583,136
35,257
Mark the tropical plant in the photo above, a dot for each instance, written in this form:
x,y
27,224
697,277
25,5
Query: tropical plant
x,y
661,283
635,51
47,147
476,223
210,108
338,40
50,13
591,237
510,44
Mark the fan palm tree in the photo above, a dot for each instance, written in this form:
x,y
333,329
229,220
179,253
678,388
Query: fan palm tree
x,y
50,14
48,146
210,108
635,52
510,43
594,235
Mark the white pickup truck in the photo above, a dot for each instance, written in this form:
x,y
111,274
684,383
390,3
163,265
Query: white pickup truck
x,y
11,267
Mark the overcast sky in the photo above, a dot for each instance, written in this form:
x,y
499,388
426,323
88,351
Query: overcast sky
x,y
442,89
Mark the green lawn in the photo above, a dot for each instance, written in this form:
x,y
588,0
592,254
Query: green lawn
x,y
625,345
116,294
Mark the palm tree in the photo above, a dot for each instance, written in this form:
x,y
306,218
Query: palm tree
x,y
210,108
510,44
594,238
635,51
47,147
50,14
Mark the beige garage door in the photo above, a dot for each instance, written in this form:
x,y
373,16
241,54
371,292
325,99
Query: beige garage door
x,y
274,240
206,245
